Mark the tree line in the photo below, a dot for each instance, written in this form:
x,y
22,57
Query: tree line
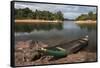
x,y
89,16
27,13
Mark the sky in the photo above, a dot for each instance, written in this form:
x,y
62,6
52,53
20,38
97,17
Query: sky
x,y
69,11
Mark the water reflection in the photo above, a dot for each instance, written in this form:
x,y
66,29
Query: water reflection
x,y
92,44
55,33
89,27
38,27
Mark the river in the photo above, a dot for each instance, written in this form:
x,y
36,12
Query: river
x,y
53,34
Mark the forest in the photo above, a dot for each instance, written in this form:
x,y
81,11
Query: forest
x,y
27,13
89,16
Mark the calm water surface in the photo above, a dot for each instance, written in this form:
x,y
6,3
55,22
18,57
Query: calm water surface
x,y
53,34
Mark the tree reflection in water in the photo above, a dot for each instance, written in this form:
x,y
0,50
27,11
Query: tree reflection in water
x,y
40,26
89,27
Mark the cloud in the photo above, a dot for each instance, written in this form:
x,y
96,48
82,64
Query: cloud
x,y
69,11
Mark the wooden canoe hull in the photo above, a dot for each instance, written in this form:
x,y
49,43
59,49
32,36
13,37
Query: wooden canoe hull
x,y
73,46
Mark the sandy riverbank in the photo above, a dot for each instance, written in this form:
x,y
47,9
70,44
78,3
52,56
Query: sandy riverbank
x,y
37,21
86,21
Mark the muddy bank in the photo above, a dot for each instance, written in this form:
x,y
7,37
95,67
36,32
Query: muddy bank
x,y
26,54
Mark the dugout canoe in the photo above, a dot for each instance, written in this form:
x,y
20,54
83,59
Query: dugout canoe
x,y
64,49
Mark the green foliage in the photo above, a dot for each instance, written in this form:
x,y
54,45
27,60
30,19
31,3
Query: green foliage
x,y
23,13
89,16
26,13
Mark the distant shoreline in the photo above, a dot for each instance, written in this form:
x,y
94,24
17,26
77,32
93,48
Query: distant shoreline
x,y
37,21
86,22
